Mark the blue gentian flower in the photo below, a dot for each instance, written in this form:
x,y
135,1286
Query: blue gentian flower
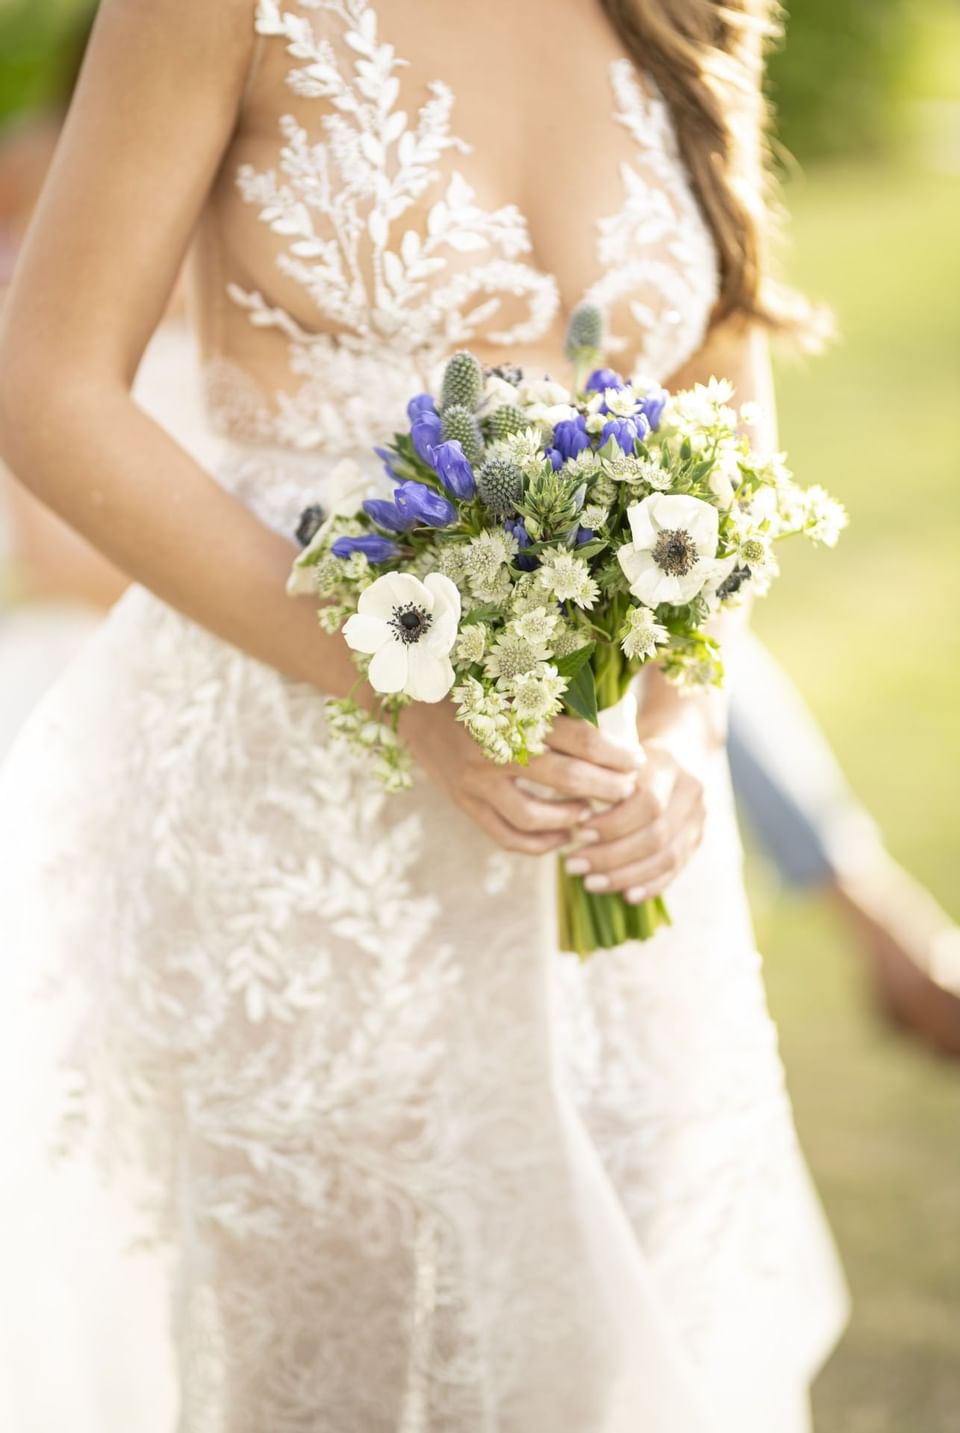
x,y
453,469
570,436
423,403
584,534
602,378
373,547
652,406
556,458
623,431
517,528
387,458
426,432
387,514
425,506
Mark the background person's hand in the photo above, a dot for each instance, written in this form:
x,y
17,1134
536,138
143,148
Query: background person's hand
x,y
640,845
581,765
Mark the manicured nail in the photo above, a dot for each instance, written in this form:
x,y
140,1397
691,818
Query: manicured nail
x,y
577,866
586,838
597,883
636,895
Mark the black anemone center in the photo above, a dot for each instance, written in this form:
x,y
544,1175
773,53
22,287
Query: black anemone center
x,y
410,623
676,552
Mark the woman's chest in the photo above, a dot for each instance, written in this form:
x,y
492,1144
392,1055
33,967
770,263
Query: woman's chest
x,y
432,177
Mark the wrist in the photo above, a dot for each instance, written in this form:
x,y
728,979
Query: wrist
x,y
690,732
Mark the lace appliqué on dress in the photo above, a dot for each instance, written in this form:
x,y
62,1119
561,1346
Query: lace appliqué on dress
x,y
397,304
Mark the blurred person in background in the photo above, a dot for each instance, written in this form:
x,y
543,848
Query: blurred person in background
x,y
791,790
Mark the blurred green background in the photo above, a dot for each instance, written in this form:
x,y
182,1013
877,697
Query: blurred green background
x,y
869,99
871,96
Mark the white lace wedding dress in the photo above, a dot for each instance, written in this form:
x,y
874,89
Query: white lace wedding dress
x,y
348,1145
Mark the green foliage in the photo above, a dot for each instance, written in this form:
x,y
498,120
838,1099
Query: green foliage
x,y
41,45
580,698
836,80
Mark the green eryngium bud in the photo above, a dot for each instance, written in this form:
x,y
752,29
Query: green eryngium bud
x,y
506,420
584,330
460,424
462,382
500,485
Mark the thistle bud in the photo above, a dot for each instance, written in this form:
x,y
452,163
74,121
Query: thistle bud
x,y
462,383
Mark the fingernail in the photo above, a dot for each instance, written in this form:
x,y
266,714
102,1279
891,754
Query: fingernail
x,y
586,815
636,895
596,883
587,838
627,789
577,866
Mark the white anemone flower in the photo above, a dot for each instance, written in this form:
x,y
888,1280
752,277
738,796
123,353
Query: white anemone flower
x,y
345,488
673,555
409,628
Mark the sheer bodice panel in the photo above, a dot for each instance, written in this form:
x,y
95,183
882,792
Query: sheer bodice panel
x,y
389,197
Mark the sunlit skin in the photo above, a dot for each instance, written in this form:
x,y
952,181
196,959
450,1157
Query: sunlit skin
x,y
75,327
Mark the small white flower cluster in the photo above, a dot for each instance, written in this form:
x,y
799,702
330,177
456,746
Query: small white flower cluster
x,y
390,763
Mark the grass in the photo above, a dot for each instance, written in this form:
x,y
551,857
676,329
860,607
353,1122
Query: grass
x,y
871,634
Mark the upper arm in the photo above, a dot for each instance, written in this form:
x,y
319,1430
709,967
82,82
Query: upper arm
x,y
154,110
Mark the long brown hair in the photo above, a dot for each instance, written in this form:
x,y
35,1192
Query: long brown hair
x,y
706,58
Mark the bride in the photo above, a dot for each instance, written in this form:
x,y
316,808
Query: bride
x,y
346,1143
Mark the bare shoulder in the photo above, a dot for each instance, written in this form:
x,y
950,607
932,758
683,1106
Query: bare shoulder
x,y
199,31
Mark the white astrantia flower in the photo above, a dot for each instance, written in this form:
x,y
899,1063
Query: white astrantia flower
x,y
344,490
567,577
620,401
536,695
537,625
641,634
409,628
523,447
825,518
472,643
511,655
673,555
486,553
594,515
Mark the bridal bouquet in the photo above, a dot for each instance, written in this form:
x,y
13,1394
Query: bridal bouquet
x,y
535,548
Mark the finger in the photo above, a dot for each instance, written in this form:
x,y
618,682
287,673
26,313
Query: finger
x,y
648,877
576,737
637,845
528,843
532,813
658,788
573,777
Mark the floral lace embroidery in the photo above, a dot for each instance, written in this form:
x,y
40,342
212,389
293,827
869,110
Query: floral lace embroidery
x,y
389,289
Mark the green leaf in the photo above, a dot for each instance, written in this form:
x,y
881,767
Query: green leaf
x,y
580,698
480,614
570,665
590,549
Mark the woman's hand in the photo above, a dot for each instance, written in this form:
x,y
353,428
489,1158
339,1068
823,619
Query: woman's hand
x,y
581,765
640,845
